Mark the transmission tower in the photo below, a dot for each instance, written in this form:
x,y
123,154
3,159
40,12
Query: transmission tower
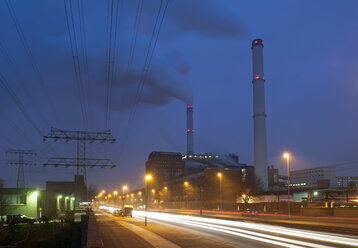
x,y
81,162
20,162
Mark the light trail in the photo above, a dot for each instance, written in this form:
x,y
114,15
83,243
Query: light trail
x,y
270,234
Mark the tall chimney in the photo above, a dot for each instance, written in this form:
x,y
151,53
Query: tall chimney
x,y
189,130
260,149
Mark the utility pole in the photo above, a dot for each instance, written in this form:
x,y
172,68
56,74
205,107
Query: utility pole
x,y
20,162
81,162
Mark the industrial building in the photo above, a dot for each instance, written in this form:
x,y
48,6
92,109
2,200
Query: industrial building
x,y
164,166
319,177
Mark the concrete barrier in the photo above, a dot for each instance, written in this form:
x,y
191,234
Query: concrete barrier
x,y
94,239
346,212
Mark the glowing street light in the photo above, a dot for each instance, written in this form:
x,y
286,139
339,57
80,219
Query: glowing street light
x,y
221,200
124,188
186,184
147,179
287,157
115,192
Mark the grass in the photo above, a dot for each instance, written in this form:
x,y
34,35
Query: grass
x,y
53,234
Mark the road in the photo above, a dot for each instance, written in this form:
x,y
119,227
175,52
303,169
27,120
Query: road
x,y
343,225
245,234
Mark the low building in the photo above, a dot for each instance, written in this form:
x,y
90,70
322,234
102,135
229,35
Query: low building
x,y
25,201
76,188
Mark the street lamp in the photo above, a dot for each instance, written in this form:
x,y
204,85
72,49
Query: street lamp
x,y
287,157
186,184
124,188
221,200
147,179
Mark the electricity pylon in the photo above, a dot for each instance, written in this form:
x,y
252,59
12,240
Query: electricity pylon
x,y
20,162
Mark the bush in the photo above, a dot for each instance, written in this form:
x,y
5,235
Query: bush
x,y
44,219
69,217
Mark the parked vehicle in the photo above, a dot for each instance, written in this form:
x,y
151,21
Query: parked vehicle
x,y
250,212
19,218
124,212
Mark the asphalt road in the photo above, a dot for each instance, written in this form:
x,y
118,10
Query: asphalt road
x,y
329,224
244,234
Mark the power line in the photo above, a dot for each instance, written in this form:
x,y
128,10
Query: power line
x,y
146,66
85,58
18,103
111,56
29,53
76,63
12,66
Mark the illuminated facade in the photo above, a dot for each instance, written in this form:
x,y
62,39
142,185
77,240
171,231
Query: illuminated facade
x,y
25,201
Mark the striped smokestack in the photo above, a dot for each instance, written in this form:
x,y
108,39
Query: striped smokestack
x,y
258,81
189,130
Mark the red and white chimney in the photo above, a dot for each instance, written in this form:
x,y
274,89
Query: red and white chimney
x,y
189,130
258,82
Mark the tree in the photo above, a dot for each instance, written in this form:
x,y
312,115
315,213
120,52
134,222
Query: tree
x,y
92,191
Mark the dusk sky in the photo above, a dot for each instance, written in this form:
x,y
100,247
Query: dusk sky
x,y
202,57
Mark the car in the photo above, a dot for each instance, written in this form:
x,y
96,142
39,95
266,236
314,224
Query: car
x,y
126,212
19,218
250,212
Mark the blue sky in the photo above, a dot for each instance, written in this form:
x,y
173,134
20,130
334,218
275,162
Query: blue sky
x,y
202,56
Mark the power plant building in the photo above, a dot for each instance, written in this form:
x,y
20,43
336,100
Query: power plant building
x,y
164,166
319,177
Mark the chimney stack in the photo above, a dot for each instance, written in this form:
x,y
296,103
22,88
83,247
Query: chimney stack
x,y
189,130
258,81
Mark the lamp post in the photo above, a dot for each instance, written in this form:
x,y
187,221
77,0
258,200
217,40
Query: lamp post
x,y
115,193
147,178
186,184
287,157
124,188
221,200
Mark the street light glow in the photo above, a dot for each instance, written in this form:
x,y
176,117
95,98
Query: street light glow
x,y
286,155
148,177
125,187
219,174
115,192
186,183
